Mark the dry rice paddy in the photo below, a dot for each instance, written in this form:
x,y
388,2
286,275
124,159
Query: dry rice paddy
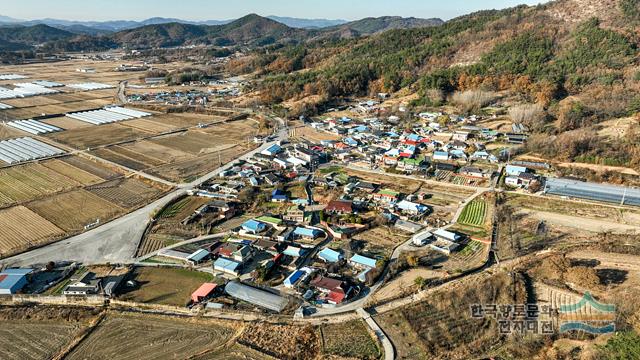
x,y
127,193
33,340
73,210
22,228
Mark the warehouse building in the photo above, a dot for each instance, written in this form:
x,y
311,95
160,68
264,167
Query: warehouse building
x,y
256,297
591,191
13,280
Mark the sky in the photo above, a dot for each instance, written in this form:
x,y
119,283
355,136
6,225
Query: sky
x,y
100,10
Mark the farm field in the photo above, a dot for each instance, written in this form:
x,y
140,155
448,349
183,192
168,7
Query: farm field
x,y
93,167
34,340
184,120
78,175
73,210
67,123
474,213
122,160
165,285
350,340
94,136
381,240
312,134
28,182
156,151
22,228
235,352
154,242
194,142
137,337
7,132
127,193
149,125
285,342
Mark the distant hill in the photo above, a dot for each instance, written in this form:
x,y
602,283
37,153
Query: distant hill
x,y
33,35
306,23
251,29
380,24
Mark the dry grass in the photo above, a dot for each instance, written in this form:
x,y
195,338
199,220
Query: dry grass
x,y
286,342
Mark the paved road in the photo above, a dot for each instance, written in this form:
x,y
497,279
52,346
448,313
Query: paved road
x,y
117,240
389,353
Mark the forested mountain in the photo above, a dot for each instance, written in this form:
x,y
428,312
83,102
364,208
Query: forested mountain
x,y
578,59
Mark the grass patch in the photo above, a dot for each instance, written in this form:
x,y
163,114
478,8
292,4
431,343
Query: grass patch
x,y
166,286
350,339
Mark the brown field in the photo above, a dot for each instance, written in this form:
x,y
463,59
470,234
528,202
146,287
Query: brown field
x,y
7,132
313,135
78,175
157,151
127,162
149,125
190,169
129,336
284,342
165,286
93,167
184,120
31,181
94,136
194,142
34,340
73,210
67,123
22,228
235,352
126,193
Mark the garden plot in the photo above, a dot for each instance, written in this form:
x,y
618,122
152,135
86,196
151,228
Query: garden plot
x,y
74,210
22,229
350,340
474,214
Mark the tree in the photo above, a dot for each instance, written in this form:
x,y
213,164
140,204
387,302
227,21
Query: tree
x,y
420,282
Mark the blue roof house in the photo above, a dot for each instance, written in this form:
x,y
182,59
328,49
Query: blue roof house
x,y
307,232
513,170
272,150
278,195
253,227
362,261
294,278
227,266
328,255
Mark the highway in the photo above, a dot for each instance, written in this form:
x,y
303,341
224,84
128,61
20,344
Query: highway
x,y
117,241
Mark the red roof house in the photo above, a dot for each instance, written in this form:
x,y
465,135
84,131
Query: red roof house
x,y
203,292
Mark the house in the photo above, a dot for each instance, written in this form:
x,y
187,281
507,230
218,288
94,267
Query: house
x,y
334,291
295,214
411,164
444,246
445,167
227,266
461,136
294,278
412,208
475,172
293,251
408,226
279,195
422,238
386,196
362,262
272,150
523,180
339,207
329,255
516,138
447,235
271,179
198,256
366,186
203,292
253,227
275,222
515,170
13,280
441,156
86,284
307,233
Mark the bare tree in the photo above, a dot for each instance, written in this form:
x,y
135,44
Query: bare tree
x,y
473,100
531,115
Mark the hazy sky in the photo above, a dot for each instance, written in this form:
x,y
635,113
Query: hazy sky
x,y
229,9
